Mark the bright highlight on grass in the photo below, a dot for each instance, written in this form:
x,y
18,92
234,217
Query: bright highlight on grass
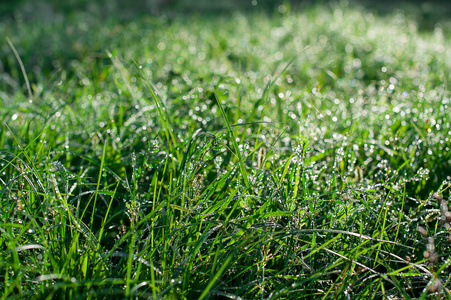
x,y
254,155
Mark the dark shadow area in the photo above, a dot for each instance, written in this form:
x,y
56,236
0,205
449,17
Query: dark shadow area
x,y
427,12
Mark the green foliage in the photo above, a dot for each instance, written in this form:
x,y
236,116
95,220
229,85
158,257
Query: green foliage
x,y
282,156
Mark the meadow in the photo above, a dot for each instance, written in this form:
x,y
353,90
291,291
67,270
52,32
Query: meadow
x,y
283,154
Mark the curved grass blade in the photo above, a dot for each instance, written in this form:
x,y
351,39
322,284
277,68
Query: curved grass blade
x,y
235,144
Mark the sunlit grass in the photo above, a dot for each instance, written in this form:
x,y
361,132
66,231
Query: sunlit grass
x,y
290,155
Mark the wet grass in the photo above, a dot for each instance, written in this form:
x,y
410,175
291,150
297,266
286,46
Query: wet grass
x,y
283,156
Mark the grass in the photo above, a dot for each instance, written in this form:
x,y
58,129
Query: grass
x,y
251,155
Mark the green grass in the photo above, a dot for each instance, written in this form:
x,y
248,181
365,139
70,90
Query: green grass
x,y
244,156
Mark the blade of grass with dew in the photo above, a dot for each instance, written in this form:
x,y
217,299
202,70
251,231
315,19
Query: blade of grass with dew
x,y
23,150
128,267
172,141
234,142
99,178
22,67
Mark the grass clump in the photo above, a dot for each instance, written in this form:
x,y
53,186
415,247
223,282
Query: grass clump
x,y
245,156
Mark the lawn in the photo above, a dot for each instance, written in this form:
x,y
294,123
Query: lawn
x,y
282,152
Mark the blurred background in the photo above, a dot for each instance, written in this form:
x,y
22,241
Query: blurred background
x,y
426,10
52,34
